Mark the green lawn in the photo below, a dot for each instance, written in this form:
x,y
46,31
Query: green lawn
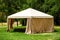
x,y
4,35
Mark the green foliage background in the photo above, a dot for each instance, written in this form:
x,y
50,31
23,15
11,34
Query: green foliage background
x,y
8,7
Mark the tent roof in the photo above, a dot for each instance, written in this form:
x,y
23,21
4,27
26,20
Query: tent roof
x,y
30,13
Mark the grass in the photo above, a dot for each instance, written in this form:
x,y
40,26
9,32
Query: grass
x,y
14,35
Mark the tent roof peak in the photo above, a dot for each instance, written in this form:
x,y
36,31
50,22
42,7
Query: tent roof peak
x,y
30,13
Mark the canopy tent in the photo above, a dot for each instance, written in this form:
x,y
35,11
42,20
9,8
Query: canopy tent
x,y
36,21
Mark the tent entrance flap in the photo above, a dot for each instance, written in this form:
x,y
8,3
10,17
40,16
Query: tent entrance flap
x,y
10,24
28,26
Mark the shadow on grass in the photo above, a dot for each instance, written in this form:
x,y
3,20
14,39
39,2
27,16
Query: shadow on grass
x,y
23,30
55,30
58,39
19,30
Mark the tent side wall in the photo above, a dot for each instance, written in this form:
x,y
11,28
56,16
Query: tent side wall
x,y
39,25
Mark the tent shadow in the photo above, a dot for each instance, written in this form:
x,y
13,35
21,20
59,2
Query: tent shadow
x,y
55,30
23,30
19,30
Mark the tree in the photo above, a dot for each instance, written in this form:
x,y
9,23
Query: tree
x,y
13,6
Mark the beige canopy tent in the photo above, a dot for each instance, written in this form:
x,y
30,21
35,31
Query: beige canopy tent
x,y
37,22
